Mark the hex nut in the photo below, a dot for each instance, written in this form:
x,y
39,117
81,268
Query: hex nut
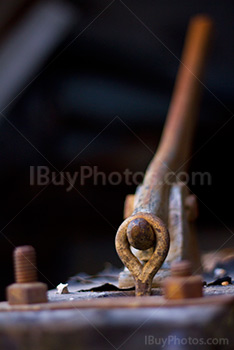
x,y
27,293
181,284
183,287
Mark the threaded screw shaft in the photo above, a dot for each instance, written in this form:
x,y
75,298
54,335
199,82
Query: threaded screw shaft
x,y
181,268
25,264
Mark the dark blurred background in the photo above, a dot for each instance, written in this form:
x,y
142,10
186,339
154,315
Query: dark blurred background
x,y
67,69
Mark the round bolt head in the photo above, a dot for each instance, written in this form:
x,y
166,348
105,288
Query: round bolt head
x,y
140,234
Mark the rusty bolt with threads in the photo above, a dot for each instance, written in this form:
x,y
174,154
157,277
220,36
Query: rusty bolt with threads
x,y
182,284
26,290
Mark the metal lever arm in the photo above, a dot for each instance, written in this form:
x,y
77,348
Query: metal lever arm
x,y
151,203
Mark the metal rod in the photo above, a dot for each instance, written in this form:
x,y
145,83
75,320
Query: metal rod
x,y
151,202
177,137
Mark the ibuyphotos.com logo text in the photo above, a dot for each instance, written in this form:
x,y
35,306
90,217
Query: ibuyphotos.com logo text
x,y
42,176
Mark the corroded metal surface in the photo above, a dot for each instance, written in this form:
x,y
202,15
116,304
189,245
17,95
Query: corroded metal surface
x,y
108,320
182,284
26,290
183,240
123,329
152,196
79,319
25,264
217,295
129,205
143,274
140,234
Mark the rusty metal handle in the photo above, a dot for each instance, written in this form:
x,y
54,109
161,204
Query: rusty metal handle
x,y
177,136
151,203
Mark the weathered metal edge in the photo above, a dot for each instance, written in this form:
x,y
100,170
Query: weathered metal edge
x,y
120,302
